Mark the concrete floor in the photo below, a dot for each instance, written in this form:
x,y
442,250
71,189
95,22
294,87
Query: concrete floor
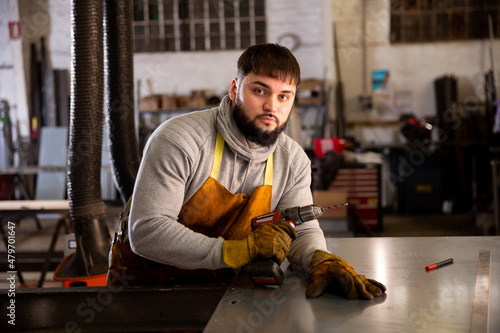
x,y
30,238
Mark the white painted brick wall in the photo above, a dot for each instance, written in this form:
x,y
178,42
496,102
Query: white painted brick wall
x,y
6,61
178,72
304,19
413,67
182,72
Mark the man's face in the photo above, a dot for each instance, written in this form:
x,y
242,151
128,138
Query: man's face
x,y
261,106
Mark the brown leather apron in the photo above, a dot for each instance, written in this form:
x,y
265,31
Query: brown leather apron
x,y
213,211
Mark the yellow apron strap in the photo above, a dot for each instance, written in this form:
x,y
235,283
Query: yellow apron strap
x,y
268,178
124,215
219,149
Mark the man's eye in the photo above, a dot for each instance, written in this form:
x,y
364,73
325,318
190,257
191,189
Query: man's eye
x,y
259,91
284,97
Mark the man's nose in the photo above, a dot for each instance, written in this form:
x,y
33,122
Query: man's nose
x,y
271,105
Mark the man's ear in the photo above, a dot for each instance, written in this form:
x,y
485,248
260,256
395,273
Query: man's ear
x,y
233,89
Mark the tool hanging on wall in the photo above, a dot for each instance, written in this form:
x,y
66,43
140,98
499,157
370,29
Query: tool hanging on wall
x,y
491,97
339,90
365,99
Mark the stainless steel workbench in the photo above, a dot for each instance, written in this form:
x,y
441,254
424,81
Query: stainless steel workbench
x,y
416,300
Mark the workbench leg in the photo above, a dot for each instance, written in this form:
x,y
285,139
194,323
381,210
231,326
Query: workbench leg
x,y
6,242
63,222
17,182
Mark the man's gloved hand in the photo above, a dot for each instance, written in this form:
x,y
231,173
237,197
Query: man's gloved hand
x,y
327,271
270,240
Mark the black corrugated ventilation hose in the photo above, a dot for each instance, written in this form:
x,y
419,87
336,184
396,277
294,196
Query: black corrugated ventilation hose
x,y
119,82
85,143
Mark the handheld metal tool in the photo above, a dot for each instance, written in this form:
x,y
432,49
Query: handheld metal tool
x,y
267,271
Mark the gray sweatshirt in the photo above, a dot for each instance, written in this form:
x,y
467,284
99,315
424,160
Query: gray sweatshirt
x,y
177,161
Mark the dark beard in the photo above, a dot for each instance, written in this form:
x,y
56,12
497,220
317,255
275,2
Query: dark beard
x,y
254,133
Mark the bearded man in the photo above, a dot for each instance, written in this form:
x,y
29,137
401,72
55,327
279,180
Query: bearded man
x,y
206,174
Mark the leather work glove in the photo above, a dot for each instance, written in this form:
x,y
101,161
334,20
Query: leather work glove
x,y
270,240
327,271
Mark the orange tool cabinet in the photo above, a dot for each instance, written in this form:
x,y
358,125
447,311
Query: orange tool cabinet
x,y
363,186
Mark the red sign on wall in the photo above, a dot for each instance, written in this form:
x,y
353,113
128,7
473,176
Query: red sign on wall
x,y
15,30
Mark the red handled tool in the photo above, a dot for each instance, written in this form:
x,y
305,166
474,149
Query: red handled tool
x,y
267,271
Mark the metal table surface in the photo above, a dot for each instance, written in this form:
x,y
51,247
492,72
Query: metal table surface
x,y
416,300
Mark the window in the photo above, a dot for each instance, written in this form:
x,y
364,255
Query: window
x,y
443,20
198,25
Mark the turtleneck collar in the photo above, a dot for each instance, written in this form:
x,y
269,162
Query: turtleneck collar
x,y
235,139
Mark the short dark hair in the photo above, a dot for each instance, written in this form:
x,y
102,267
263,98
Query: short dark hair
x,y
272,60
